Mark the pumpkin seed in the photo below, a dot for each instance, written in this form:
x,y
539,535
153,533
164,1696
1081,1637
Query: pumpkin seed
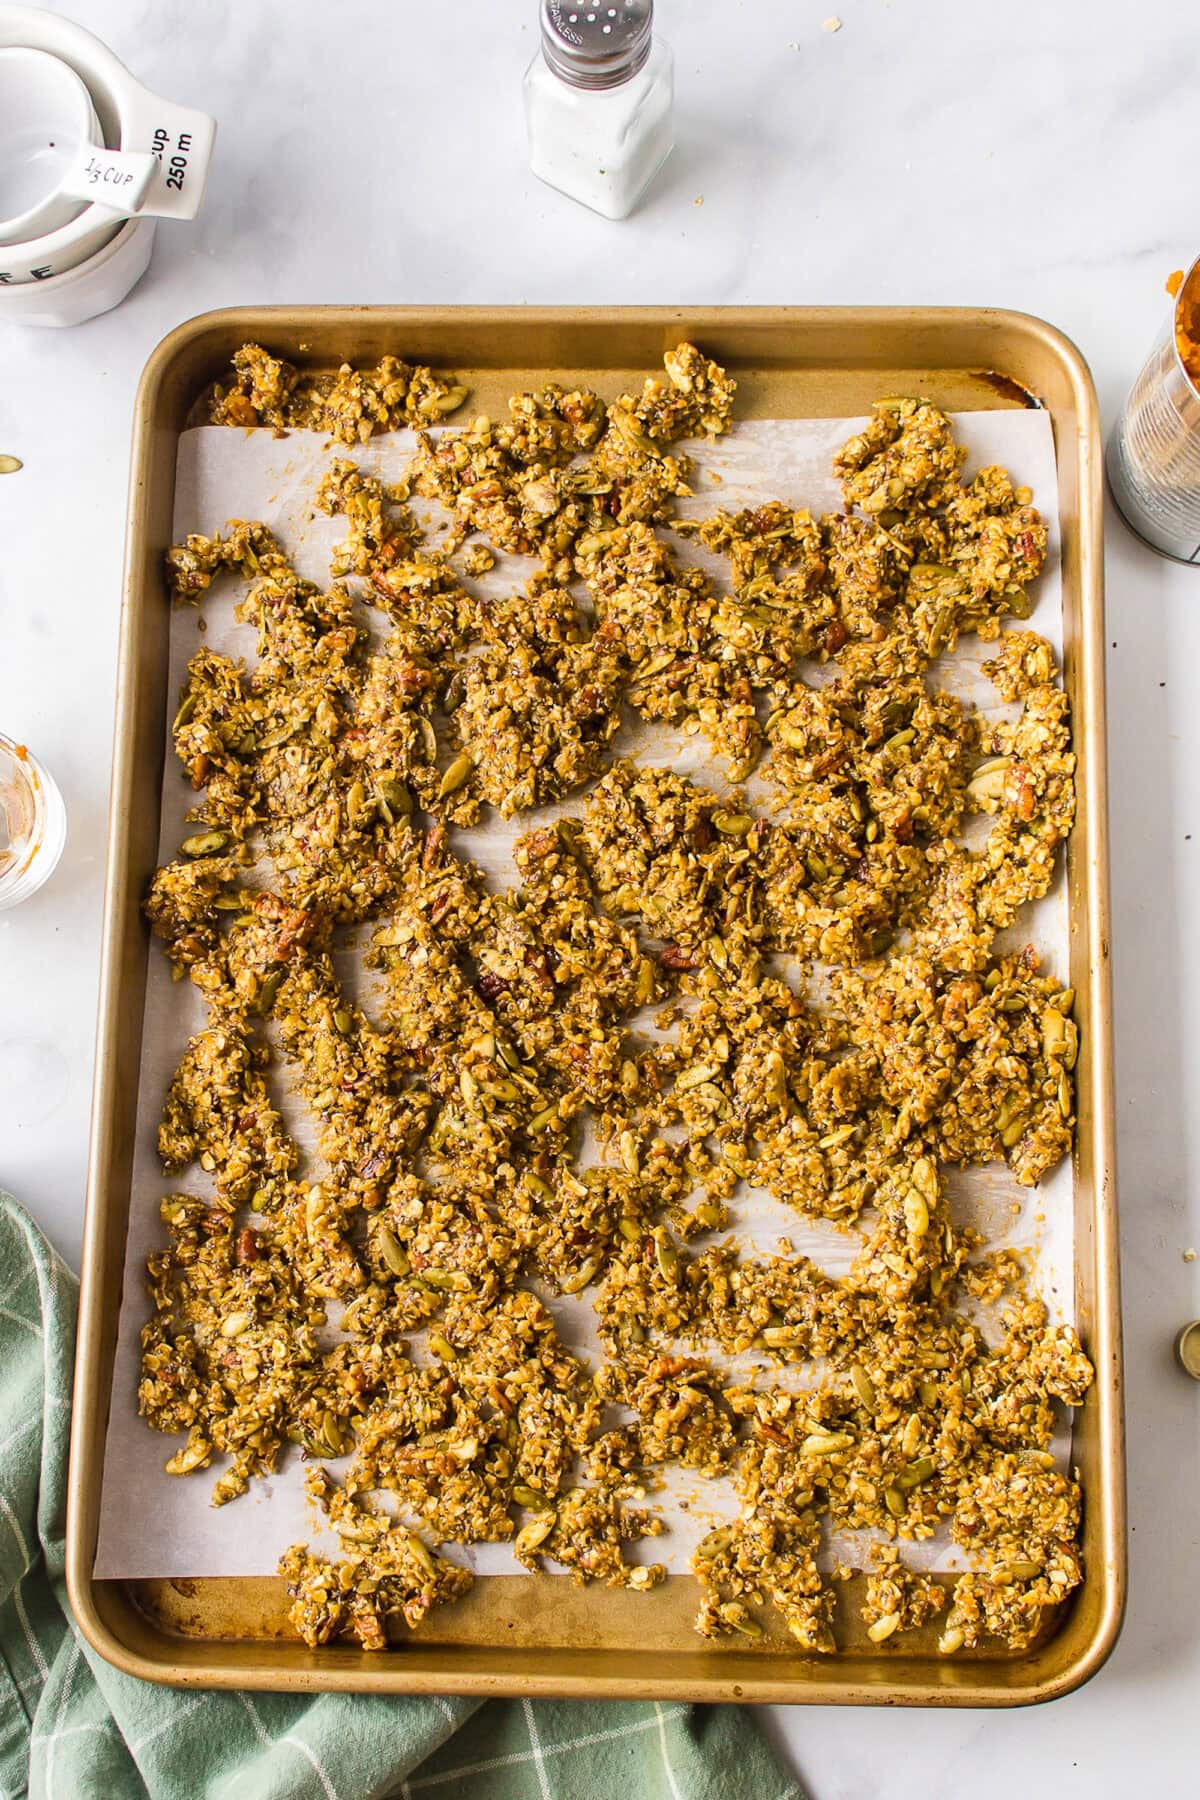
x,y
235,1324
883,1628
709,1214
710,1546
644,992
448,402
950,1640
194,1453
332,1437
364,1531
833,1138
1064,1094
863,1386
534,1533
456,775
899,739
1054,1034
269,987
418,1548
531,1498
629,1153
895,1502
732,824
1072,1054
924,1177
916,1214
740,1619
694,1076
443,1281
939,631
395,801
825,1443
184,714
629,1229
10,464
541,1119
912,1435
928,1390
343,1019
1014,1131
915,1473
391,1250
583,1277
1017,1571
205,843
666,1256
441,1346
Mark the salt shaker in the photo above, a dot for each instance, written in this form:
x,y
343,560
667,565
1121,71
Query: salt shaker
x,y
598,98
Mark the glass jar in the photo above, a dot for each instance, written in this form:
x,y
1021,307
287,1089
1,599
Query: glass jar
x,y
598,103
1153,457
33,823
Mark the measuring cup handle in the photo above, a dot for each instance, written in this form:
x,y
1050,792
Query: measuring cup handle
x,y
120,179
181,139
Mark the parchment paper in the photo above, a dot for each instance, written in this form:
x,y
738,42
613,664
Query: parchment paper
x,y
155,1525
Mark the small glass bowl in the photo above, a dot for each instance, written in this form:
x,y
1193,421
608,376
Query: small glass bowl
x,y
33,823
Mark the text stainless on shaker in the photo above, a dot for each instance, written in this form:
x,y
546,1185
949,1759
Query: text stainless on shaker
x,y
598,98
1153,458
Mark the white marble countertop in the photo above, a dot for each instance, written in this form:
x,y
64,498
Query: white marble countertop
x,y
929,151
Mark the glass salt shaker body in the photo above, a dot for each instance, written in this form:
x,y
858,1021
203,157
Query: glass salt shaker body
x,y
598,103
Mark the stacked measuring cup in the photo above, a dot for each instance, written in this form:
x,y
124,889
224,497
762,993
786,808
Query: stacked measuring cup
x,y
89,161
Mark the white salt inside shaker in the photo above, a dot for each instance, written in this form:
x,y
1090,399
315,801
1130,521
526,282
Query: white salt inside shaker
x,y
598,99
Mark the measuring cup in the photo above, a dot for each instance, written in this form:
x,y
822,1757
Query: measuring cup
x,y
46,118
173,142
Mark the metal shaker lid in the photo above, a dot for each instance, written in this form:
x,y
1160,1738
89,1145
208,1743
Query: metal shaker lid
x,y
597,45
1187,1349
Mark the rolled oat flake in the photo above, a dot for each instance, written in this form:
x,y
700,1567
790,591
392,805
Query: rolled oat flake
x,y
598,99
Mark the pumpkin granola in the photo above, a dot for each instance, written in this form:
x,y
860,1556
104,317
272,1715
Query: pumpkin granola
x,y
381,1298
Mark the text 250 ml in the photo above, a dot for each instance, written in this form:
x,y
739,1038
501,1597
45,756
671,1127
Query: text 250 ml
x,y
176,163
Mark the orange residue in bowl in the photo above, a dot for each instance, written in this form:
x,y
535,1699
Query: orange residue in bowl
x,y
1186,295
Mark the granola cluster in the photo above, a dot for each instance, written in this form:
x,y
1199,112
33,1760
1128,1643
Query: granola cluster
x,y
802,992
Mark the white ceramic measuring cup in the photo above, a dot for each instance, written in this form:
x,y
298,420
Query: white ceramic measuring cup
x,y
94,287
178,138
46,120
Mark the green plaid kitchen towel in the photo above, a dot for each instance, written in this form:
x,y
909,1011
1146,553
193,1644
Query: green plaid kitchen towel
x,y
72,1727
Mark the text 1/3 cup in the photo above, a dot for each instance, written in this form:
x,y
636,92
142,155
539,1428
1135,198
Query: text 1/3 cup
x,y
1153,457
